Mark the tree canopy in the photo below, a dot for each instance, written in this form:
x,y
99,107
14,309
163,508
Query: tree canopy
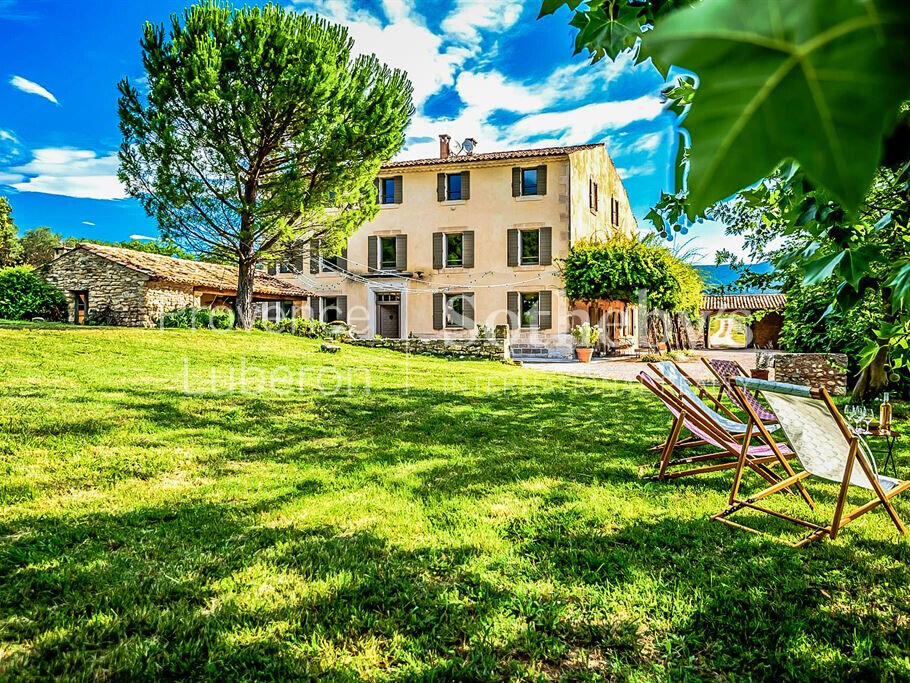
x,y
260,130
616,269
817,81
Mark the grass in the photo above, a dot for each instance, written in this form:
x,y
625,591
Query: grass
x,y
436,519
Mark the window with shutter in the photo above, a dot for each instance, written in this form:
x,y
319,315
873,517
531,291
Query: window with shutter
x,y
401,253
387,190
545,310
455,308
516,182
438,248
399,182
468,248
373,253
438,310
465,185
512,305
512,247
530,309
545,246
388,257
454,250
453,186
440,187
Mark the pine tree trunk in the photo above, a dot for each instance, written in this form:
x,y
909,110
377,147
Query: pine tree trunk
x,y
243,302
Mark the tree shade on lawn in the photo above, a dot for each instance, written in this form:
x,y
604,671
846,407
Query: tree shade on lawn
x,y
456,519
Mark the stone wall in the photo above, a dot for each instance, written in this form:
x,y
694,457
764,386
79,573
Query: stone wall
x,y
109,285
162,297
828,370
485,349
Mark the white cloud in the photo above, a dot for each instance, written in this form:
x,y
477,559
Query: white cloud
x,y
10,178
88,223
71,173
471,17
404,43
588,121
32,88
8,136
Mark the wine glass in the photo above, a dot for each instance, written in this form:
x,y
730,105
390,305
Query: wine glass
x,y
861,413
850,414
868,417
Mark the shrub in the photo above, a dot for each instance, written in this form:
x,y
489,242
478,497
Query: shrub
x,y
191,318
299,327
585,335
24,295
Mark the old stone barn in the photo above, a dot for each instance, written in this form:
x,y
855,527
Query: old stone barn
x,y
134,289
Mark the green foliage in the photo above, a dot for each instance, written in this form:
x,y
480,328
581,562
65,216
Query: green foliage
x,y
38,246
585,335
24,295
300,327
617,269
198,318
9,236
257,121
818,81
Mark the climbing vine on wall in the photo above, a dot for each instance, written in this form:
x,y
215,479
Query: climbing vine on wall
x,y
615,270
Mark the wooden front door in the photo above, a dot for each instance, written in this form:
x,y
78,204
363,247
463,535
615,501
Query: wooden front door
x,y
389,320
80,308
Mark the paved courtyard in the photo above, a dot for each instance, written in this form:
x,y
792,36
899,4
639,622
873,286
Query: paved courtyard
x,y
625,369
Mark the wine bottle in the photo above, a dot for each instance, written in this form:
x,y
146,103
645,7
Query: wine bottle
x,y
884,415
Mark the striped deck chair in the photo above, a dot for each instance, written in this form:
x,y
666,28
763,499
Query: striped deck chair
x,y
726,371
692,391
732,454
825,447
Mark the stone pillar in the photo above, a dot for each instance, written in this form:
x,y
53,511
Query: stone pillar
x,y
502,332
643,342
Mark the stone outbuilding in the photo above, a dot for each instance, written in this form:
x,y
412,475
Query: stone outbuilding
x,y
134,288
763,333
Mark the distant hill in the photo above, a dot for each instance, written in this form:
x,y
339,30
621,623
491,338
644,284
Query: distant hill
x,y
724,275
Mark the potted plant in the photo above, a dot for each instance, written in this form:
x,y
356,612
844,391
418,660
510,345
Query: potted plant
x,y
585,339
762,366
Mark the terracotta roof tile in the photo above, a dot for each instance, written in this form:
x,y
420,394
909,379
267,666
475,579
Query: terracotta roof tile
x,y
195,273
744,302
491,156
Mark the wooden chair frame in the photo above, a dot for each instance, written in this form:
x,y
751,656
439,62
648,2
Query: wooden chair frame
x,y
691,441
725,385
703,422
839,520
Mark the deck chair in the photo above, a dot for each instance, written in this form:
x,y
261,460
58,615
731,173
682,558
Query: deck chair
x,y
824,446
732,454
726,371
683,385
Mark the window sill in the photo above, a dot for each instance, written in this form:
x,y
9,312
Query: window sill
x,y
452,269
529,198
454,202
389,206
530,266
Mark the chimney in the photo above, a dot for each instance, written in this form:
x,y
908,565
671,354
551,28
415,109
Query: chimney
x,y
444,146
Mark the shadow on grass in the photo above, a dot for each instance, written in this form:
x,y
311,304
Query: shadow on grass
x,y
222,591
201,590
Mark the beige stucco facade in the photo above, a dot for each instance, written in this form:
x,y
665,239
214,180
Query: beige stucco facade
x,y
490,212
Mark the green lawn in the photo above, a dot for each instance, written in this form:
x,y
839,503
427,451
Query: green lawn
x,y
436,519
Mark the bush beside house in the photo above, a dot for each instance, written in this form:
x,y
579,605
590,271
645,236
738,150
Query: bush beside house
x,y
24,295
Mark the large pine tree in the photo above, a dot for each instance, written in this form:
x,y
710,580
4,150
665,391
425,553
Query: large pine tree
x,y
260,129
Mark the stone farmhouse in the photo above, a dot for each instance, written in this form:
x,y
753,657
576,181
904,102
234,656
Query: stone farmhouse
x,y
468,239
134,288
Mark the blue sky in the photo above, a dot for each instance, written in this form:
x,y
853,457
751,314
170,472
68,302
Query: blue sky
x,y
481,69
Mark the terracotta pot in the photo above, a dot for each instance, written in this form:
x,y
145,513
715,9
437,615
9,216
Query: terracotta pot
x,y
584,355
758,374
